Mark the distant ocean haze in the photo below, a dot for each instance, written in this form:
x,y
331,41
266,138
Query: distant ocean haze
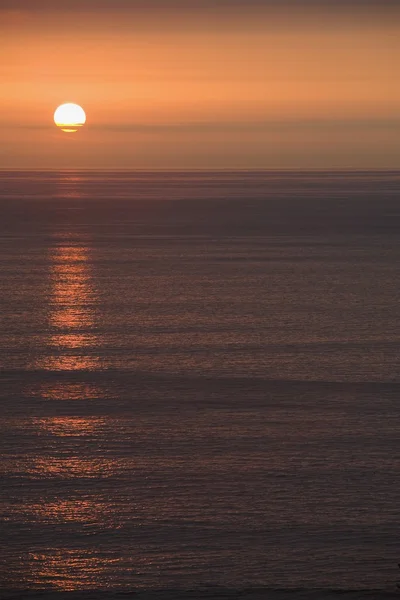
x,y
199,381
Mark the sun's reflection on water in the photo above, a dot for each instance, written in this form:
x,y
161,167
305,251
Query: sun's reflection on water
x,y
69,426
72,309
70,186
72,444
71,440
74,466
83,511
68,570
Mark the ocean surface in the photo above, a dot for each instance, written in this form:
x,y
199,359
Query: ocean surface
x,y
199,385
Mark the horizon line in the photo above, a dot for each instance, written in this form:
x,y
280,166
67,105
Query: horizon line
x,y
210,170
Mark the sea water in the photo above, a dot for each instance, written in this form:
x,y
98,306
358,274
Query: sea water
x,y
200,384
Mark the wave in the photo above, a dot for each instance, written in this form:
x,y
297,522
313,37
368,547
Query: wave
x,y
18,374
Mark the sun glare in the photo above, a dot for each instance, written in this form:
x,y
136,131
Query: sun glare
x,y
69,117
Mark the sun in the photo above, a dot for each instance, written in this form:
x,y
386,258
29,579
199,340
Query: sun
x,y
69,117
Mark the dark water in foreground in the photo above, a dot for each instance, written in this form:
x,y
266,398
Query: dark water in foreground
x,y
199,384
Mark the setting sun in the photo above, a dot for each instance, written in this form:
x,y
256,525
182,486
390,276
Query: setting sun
x,y
69,117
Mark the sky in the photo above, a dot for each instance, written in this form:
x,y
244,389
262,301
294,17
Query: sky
x,y
200,84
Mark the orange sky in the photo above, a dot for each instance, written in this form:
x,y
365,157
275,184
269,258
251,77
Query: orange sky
x,y
199,89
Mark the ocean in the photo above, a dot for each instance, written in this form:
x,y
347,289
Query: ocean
x,y
199,385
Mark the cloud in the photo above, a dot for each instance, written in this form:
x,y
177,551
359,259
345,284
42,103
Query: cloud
x,y
229,127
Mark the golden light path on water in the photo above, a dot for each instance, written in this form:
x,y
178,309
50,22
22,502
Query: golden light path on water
x,y
72,348
71,310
